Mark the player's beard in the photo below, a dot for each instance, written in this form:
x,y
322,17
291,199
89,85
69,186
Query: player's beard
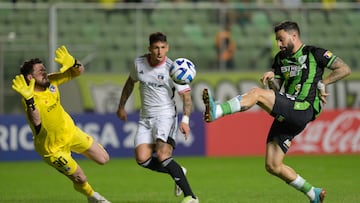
x,y
45,83
287,52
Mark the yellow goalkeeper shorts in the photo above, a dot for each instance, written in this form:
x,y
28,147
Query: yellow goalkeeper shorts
x,y
62,159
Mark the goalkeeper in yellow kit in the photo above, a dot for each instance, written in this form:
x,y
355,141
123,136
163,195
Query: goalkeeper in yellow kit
x,y
54,131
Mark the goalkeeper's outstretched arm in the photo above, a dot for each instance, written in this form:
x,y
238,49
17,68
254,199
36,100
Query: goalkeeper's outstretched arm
x,y
68,62
34,117
77,69
27,92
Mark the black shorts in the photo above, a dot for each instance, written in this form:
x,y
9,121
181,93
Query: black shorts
x,y
289,120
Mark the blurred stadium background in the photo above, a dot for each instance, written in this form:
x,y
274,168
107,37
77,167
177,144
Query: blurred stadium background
x,y
107,35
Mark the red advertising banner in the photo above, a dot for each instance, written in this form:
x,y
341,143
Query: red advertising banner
x,y
241,134
334,132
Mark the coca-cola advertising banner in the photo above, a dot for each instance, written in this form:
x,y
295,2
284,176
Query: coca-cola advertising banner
x,y
333,132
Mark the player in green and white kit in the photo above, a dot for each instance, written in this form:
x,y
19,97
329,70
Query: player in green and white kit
x,y
299,70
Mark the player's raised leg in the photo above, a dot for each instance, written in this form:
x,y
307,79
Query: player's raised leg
x,y
264,98
214,111
210,106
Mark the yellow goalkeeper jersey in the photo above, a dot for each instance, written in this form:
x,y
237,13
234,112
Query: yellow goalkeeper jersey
x,y
57,127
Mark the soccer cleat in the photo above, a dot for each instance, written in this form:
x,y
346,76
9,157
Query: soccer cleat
x,y
97,198
190,199
319,195
178,191
210,106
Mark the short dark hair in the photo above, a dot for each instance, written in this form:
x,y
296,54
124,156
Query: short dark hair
x,y
28,66
287,26
157,37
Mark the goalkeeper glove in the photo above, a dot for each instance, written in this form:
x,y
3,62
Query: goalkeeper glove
x,y
20,86
64,58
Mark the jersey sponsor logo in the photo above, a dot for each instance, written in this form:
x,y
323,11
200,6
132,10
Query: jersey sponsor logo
x,y
153,84
291,71
292,68
51,107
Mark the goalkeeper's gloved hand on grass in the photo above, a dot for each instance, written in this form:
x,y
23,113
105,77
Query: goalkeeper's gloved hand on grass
x,y
64,58
20,86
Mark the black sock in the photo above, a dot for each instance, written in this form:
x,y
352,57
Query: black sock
x,y
153,164
178,175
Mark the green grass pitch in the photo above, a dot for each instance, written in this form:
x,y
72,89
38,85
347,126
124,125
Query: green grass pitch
x,y
214,180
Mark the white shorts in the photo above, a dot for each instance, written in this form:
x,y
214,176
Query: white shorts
x,y
150,129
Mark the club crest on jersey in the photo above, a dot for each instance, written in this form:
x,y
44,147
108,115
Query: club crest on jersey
x,y
302,59
52,88
328,54
160,77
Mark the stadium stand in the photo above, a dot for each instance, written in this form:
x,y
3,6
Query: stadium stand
x,y
191,31
107,40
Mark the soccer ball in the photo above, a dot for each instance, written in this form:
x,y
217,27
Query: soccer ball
x,y
182,71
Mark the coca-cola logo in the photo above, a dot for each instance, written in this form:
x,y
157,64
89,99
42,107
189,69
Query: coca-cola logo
x,y
334,132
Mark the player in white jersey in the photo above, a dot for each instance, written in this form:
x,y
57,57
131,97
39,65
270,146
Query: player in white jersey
x,y
157,127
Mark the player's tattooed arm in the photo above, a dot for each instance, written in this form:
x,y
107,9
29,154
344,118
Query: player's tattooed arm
x,y
187,103
339,70
125,94
187,107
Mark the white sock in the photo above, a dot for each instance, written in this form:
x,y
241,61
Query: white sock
x,y
301,184
234,104
298,182
219,111
229,107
